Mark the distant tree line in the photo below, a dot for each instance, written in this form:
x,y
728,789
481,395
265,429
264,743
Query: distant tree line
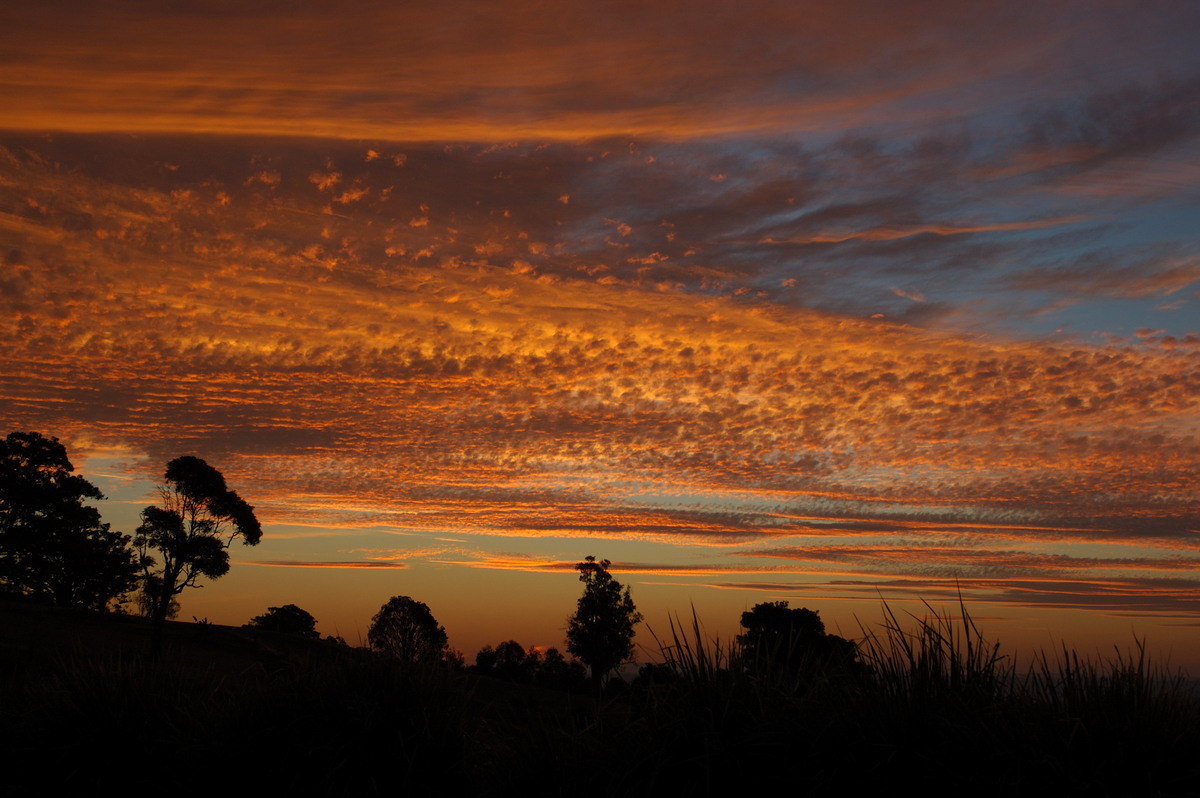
x,y
511,662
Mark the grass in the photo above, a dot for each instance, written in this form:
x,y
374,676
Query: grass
x,y
942,656
934,696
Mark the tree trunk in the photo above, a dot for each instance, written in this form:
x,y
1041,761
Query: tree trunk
x,y
162,608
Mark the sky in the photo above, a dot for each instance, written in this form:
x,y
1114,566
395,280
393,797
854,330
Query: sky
x,y
827,303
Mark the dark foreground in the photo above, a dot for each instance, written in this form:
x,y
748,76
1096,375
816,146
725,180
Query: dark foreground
x,y
82,707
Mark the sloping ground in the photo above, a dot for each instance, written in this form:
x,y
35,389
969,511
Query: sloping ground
x,y
38,637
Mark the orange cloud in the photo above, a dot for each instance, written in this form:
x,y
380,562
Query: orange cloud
x,y
493,372
502,69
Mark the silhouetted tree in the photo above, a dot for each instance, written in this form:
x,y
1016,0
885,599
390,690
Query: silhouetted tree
x,y
288,619
52,546
405,629
485,661
557,671
454,659
509,661
600,633
656,673
777,636
192,530
148,597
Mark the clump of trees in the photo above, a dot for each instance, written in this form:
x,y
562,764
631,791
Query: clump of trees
x,y
53,546
288,619
511,662
600,633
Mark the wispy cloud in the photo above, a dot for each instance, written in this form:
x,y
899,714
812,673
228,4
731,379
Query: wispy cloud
x,y
316,564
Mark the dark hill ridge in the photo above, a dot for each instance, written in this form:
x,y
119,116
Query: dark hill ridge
x,y
39,636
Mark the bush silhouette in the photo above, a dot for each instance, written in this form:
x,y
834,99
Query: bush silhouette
x,y
288,619
778,637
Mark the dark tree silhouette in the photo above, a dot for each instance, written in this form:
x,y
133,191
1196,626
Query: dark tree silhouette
x,y
509,661
405,629
288,619
777,636
53,547
148,596
557,671
600,633
192,529
512,662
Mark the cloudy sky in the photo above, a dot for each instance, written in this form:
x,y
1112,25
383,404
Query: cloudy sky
x,y
792,300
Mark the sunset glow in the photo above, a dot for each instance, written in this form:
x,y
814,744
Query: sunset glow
x,y
821,303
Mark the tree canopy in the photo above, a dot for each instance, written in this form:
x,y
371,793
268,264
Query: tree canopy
x,y
288,619
53,546
405,629
600,633
191,531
